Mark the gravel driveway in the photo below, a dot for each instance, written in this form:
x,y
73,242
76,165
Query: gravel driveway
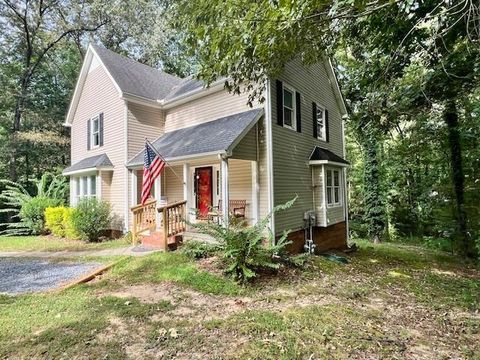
x,y
22,275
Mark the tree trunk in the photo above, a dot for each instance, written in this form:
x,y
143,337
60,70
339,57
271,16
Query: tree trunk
x,y
450,116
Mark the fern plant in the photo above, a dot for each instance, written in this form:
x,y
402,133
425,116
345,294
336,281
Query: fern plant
x,y
28,209
248,250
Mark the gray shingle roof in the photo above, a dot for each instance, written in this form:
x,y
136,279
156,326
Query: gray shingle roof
x,y
96,161
215,136
323,154
135,78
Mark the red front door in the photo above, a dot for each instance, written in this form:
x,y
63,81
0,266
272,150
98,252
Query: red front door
x,y
203,190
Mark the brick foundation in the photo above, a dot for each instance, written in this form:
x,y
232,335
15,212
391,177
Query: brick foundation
x,y
325,238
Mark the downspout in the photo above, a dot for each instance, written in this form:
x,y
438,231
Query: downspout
x,y
127,192
269,143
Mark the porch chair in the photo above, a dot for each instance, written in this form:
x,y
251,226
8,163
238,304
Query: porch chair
x,y
236,208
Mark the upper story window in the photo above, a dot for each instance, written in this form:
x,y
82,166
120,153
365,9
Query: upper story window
x,y
321,123
289,107
333,187
95,124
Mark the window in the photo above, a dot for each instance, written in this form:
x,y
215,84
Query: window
x,y
288,107
95,131
333,187
85,186
321,126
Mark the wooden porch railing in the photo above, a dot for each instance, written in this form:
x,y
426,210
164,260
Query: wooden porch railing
x,y
173,219
143,218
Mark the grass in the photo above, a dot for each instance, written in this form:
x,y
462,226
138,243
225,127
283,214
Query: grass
x,y
47,243
388,302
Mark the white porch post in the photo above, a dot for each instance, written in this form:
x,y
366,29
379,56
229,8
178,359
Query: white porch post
x,y
133,187
158,195
255,192
186,183
225,191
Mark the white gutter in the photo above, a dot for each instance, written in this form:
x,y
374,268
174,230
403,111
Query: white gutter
x,y
81,171
327,162
186,157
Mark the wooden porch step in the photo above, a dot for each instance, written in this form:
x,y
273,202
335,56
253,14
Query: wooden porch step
x,y
156,240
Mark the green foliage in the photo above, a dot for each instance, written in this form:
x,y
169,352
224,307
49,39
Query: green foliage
x,y
199,249
29,210
249,250
58,220
91,218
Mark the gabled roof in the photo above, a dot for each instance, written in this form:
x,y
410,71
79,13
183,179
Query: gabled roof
x,y
324,156
219,136
134,78
96,162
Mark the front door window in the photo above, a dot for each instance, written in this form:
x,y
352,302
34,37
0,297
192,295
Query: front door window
x,y
203,191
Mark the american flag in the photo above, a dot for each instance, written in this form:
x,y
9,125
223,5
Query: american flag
x,y
153,165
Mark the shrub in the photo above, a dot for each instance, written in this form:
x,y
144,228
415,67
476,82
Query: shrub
x,y
68,227
32,213
90,218
54,220
249,250
28,209
199,249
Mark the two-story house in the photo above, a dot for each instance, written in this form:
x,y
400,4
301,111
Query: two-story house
x,y
218,149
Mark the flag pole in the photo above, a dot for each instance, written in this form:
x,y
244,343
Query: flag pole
x,y
165,161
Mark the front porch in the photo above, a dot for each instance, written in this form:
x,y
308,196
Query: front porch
x,y
193,191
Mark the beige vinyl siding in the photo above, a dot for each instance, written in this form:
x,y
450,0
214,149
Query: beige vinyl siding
x,y
99,95
240,183
207,108
106,183
173,186
247,147
291,150
143,122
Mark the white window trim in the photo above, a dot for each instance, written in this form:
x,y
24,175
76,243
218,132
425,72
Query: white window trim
x,y
92,119
86,193
294,110
323,136
332,188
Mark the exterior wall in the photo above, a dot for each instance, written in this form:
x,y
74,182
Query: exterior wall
x,y
318,195
247,147
100,95
205,109
143,122
240,183
292,176
263,192
172,187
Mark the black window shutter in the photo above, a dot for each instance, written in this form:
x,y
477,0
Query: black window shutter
x,y
100,124
89,137
279,103
327,126
298,111
314,117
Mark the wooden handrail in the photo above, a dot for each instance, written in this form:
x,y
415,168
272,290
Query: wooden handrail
x,y
174,219
144,218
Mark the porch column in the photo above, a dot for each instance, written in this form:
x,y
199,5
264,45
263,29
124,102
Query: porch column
x,y
133,184
157,191
225,191
255,192
186,183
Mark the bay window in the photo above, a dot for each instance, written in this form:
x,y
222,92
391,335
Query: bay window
x,y
332,187
85,187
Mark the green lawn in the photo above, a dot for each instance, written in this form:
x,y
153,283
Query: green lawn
x,y
47,243
388,302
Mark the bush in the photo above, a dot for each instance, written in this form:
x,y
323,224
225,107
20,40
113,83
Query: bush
x,y
51,190
91,218
32,213
54,220
59,221
68,227
200,250
249,250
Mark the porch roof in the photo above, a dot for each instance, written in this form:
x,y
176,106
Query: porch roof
x,y
219,136
323,156
96,162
